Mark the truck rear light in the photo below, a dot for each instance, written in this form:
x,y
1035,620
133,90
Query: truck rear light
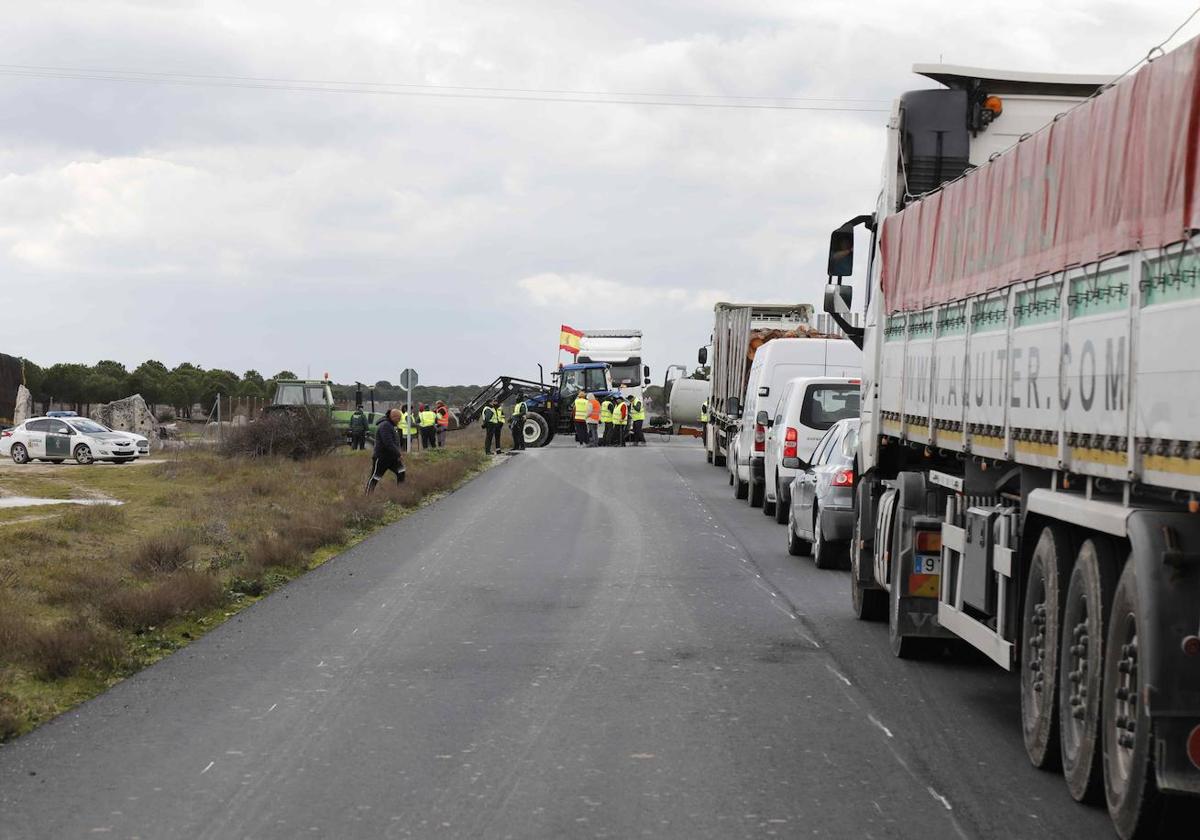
x,y
1191,645
929,542
855,381
760,437
843,478
790,438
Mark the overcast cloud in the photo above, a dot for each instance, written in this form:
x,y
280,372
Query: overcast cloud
x,y
360,234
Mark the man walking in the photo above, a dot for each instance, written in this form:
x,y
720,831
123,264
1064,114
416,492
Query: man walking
x,y
443,422
493,421
637,415
358,429
582,407
386,457
593,420
517,426
428,421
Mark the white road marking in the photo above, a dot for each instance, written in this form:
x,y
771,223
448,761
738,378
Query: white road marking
x,y
886,731
209,767
838,674
940,798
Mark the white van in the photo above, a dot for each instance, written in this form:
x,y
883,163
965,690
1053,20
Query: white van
x,y
775,363
808,407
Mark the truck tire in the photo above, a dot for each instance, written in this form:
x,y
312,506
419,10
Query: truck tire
x,y
541,436
1130,788
1081,660
1040,630
756,493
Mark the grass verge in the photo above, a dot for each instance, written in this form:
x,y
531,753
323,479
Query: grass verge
x,y
90,595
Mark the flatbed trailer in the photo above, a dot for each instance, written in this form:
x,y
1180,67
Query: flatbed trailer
x,y
1029,454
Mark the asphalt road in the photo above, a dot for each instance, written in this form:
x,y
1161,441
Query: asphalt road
x,y
579,643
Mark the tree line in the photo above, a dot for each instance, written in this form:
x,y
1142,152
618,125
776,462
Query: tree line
x,y
180,387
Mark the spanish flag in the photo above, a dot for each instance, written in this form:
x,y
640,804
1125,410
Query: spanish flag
x,y
568,339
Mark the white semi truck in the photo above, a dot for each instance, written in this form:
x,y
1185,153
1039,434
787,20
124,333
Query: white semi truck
x,y
622,350
1030,443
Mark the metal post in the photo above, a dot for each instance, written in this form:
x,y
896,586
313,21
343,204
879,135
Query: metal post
x,y
218,418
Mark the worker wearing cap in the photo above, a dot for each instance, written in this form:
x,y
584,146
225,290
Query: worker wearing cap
x,y
443,422
593,420
428,421
493,422
520,409
704,412
606,408
637,416
581,407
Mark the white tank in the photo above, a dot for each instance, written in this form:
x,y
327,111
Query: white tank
x,y
687,395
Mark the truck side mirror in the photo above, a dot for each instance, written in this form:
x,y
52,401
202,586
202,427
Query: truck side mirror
x,y
645,370
702,356
646,381
734,406
841,252
838,298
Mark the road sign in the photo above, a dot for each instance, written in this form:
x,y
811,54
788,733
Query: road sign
x,y
408,379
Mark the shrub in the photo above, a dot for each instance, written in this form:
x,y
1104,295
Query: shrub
x,y
94,518
183,592
10,717
14,634
80,587
165,552
296,433
60,650
166,415
274,550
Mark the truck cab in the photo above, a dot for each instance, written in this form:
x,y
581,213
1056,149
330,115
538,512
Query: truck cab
x,y
621,350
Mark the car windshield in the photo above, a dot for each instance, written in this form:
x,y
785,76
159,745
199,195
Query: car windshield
x,y
88,427
824,405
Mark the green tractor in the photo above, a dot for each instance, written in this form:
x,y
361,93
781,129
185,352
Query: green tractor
x,y
317,395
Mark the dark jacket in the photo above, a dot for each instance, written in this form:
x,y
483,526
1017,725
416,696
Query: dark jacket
x,y
387,443
358,422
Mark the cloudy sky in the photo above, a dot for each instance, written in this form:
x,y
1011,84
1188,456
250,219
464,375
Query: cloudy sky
x,y
360,233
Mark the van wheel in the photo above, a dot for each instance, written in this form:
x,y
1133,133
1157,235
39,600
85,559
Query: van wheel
x,y
781,507
741,489
1081,658
1130,786
1040,629
757,493
718,459
708,456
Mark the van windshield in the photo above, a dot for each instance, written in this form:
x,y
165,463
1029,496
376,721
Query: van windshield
x,y
824,405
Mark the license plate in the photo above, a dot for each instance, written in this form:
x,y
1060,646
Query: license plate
x,y
926,578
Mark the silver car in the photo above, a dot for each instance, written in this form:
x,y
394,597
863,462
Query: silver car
x,y
821,520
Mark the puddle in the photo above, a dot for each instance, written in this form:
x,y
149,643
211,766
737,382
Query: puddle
x,y
29,501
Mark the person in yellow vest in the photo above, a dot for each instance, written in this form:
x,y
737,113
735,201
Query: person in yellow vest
x,y
493,422
620,422
704,412
517,426
402,429
428,420
637,415
582,407
606,408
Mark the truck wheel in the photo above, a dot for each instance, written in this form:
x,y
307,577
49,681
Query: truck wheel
x,y
757,493
536,430
1130,787
868,604
1040,625
1081,657
781,507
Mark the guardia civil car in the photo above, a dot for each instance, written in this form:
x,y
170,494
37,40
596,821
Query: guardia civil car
x,y
57,439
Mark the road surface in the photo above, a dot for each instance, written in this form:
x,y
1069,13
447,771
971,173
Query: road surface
x,y
579,643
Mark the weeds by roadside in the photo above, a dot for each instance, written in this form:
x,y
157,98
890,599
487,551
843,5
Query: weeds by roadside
x,y
98,592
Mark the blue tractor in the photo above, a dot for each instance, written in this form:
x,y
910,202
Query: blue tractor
x,y
551,406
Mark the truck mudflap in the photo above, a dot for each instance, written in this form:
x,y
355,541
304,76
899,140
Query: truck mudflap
x,y
919,578
1165,548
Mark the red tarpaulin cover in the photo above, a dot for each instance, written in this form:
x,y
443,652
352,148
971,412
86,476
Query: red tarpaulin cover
x,y
1116,173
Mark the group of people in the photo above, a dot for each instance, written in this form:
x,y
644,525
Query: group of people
x,y
609,420
493,421
430,422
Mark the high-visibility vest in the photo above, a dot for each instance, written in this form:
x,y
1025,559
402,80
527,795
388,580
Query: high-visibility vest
x,y
500,415
519,409
638,410
620,413
428,418
443,417
593,409
606,408
582,407
405,426
489,415
704,413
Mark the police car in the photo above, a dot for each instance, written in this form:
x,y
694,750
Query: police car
x,y
57,439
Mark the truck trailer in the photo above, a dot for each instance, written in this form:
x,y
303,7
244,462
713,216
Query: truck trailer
x,y
1029,453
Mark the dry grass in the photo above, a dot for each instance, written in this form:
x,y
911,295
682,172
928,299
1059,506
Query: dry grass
x,y
97,592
